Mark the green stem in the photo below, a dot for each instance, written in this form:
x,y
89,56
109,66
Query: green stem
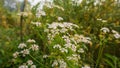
x,y
99,54
35,59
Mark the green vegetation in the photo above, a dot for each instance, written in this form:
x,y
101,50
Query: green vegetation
x,y
64,34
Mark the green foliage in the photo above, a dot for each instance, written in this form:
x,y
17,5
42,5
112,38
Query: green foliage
x,y
111,61
89,17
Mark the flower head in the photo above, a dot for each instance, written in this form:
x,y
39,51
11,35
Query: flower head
x,y
31,41
33,66
35,47
117,35
23,66
25,52
30,62
22,45
60,18
55,63
15,55
105,30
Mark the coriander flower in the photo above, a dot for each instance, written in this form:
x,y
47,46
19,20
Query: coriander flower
x,y
60,18
25,52
15,55
55,63
80,50
22,45
56,46
31,41
33,66
104,20
35,47
40,13
73,47
86,66
115,32
63,50
105,30
30,62
45,56
99,19
62,64
36,23
117,35
23,66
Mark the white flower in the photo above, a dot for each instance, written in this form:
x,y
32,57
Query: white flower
x,y
56,46
79,1
104,20
31,41
63,30
73,47
88,38
60,18
99,19
63,50
15,55
62,64
23,66
115,32
117,35
68,45
45,56
40,13
74,57
53,25
97,2
35,47
33,66
22,45
81,50
25,52
36,23
30,62
105,30
86,66
55,63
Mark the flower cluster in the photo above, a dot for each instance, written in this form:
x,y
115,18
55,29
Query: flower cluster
x,y
36,23
25,50
51,5
86,66
28,64
116,34
74,57
60,18
99,19
71,43
56,28
107,30
40,13
61,63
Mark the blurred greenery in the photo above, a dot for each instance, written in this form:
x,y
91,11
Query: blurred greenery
x,y
85,15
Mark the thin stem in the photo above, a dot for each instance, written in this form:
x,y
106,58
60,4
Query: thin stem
x,y
100,54
35,59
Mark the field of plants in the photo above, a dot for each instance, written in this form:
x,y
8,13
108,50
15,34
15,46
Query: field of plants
x,y
63,34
